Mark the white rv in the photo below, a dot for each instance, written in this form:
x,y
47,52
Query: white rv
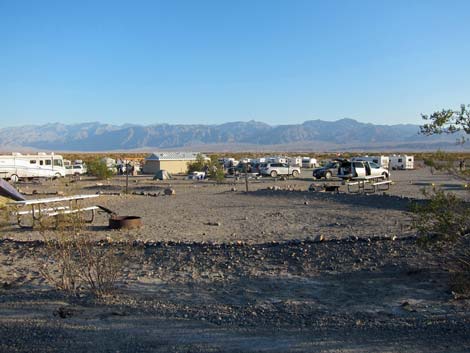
x,y
276,160
402,162
308,162
16,166
382,161
297,161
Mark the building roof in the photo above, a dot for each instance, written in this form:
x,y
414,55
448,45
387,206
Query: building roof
x,y
172,156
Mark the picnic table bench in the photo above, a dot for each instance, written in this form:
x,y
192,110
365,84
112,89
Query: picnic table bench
x,y
368,184
52,207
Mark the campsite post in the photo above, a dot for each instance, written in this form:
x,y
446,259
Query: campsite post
x,y
127,176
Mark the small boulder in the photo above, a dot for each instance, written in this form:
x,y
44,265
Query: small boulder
x,y
170,191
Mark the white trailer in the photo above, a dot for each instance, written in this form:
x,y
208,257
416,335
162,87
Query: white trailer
x,y
258,160
308,162
382,161
297,161
17,166
275,159
402,162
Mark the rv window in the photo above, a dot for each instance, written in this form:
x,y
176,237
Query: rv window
x,y
58,162
409,159
400,160
41,162
48,162
32,161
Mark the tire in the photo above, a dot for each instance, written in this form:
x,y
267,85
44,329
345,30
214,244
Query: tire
x,y
385,175
295,173
273,174
14,178
328,175
57,176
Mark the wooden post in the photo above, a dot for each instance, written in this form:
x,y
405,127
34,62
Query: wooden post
x,y
246,178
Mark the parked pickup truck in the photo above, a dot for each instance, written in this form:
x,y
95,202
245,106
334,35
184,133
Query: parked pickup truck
x,y
358,169
276,169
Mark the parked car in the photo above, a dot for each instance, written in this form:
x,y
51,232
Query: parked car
x,y
358,168
242,167
329,170
276,169
79,169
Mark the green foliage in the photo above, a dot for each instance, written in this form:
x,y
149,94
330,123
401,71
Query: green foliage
x,y
217,173
447,121
444,217
99,169
440,160
198,165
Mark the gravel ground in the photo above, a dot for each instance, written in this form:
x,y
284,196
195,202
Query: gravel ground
x,y
216,270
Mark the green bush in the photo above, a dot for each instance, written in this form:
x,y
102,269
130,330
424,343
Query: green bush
x,y
198,165
444,220
443,217
99,169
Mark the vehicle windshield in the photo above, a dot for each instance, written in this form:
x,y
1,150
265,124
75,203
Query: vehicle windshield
x,y
330,165
374,165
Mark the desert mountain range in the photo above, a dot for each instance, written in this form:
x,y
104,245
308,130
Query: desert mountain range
x,y
313,135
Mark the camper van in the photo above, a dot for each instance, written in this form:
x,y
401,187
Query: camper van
x,y
402,162
42,165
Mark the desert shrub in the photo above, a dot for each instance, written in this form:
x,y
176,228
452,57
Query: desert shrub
x,y
444,216
440,160
74,262
458,262
99,169
198,165
217,173
443,223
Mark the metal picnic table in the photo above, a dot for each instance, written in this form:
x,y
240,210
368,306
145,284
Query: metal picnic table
x,y
368,184
52,206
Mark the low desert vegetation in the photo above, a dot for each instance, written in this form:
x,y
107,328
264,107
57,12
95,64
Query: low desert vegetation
x,y
99,169
444,221
74,262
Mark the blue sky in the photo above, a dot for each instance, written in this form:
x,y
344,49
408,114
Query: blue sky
x,y
276,61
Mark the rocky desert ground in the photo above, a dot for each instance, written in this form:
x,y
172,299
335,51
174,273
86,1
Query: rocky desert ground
x,y
216,269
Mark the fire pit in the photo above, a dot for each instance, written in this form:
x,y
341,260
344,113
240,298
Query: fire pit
x,y
126,222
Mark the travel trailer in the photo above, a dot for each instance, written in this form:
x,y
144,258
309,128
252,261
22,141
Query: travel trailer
x,y
402,162
297,161
382,161
17,166
276,160
308,162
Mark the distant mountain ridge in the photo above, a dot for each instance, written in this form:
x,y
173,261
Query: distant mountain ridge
x,y
315,135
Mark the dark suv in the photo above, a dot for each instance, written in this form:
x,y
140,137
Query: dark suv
x,y
329,170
